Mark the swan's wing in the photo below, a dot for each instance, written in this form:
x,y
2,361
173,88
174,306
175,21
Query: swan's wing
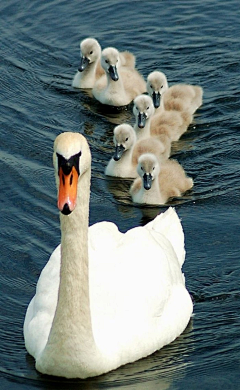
x,y
132,287
103,235
40,312
169,224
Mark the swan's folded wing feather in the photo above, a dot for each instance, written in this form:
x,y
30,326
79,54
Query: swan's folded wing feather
x,y
41,310
169,224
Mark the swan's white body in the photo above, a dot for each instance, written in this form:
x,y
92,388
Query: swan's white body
x,y
121,91
105,298
179,97
91,52
166,125
158,181
128,149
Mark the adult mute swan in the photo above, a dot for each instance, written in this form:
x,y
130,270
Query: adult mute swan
x,y
121,84
158,181
104,298
90,68
164,125
179,97
128,149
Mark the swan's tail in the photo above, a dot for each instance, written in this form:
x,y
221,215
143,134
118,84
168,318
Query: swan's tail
x,y
169,224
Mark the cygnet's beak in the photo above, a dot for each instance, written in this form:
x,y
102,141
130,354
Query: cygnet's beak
x,y
156,99
141,120
83,64
147,181
113,72
119,150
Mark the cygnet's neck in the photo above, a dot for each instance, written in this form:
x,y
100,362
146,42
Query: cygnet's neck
x,y
115,92
88,75
152,196
162,107
145,131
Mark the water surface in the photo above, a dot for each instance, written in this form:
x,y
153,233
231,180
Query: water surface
x,y
193,42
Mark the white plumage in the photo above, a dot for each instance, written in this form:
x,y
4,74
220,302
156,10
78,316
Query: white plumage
x,y
120,296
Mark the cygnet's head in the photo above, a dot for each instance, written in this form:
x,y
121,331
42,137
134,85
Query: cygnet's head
x,y
124,137
156,85
148,169
110,61
90,52
143,109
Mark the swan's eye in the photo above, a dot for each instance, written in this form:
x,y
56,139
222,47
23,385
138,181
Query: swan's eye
x,y
71,179
153,168
161,86
126,139
106,61
147,108
142,168
151,86
91,52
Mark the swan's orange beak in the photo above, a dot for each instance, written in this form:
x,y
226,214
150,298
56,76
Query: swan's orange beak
x,y
67,193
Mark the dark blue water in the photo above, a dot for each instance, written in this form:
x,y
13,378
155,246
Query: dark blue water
x,y
191,41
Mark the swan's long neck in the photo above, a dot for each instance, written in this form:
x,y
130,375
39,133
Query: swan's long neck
x,y
71,328
73,300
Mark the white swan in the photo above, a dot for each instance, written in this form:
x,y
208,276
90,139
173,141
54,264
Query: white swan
x,y
128,149
90,68
121,84
164,125
158,181
180,97
97,306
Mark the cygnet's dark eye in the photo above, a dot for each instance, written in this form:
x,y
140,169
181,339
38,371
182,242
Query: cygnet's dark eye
x,y
106,61
91,52
153,168
126,139
148,108
161,86
151,86
142,168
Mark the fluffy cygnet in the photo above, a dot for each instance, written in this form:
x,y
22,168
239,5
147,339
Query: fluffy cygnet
x,y
90,68
158,181
173,123
179,97
164,125
121,84
128,149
